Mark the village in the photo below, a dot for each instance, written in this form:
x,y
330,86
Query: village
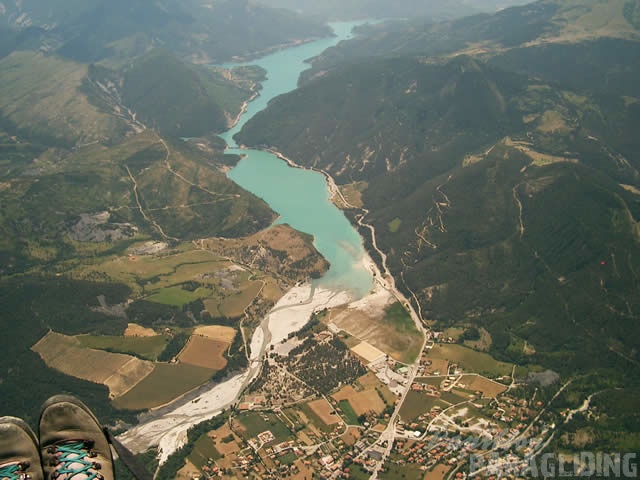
x,y
322,410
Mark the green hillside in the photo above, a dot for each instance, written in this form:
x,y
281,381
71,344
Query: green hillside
x,y
608,65
43,12
210,32
541,23
78,104
194,91
92,162
498,162
456,155
45,198
39,99
38,304
350,9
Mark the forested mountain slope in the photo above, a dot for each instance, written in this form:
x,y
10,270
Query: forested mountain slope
x,y
210,31
94,169
543,26
433,9
501,200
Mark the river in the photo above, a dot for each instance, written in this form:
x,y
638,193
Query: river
x,y
301,198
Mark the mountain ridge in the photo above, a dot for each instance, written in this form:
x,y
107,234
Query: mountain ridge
x,y
477,181
104,30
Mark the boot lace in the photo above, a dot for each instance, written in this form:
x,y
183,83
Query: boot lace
x,y
13,471
75,459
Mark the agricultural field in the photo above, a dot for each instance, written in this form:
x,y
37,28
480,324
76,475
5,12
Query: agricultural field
x,y
392,332
166,383
182,276
278,251
367,352
203,449
216,332
325,411
452,398
470,360
178,296
361,402
438,472
221,445
438,366
254,423
119,372
135,330
483,344
215,271
489,388
367,401
147,348
161,270
370,381
434,381
204,352
225,440
311,419
234,305
417,404
348,412
351,436
395,471
187,472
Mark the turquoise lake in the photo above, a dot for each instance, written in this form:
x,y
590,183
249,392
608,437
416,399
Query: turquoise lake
x,y
301,197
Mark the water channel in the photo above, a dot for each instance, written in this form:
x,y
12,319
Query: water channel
x,y
301,198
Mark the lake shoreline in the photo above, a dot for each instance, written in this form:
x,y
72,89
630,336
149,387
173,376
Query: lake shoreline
x,y
356,279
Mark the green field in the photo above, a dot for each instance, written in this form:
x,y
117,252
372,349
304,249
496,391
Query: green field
x,y
288,458
452,398
348,413
234,305
164,384
161,270
202,451
417,404
144,347
315,419
254,424
394,225
433,381
178,297
394,471
470,360
185,272
408,339
164,276
357,473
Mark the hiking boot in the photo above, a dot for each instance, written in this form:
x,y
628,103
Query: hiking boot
x,y
19,454
72,442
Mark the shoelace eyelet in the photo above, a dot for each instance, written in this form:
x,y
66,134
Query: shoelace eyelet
x,y
15,471
72,459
